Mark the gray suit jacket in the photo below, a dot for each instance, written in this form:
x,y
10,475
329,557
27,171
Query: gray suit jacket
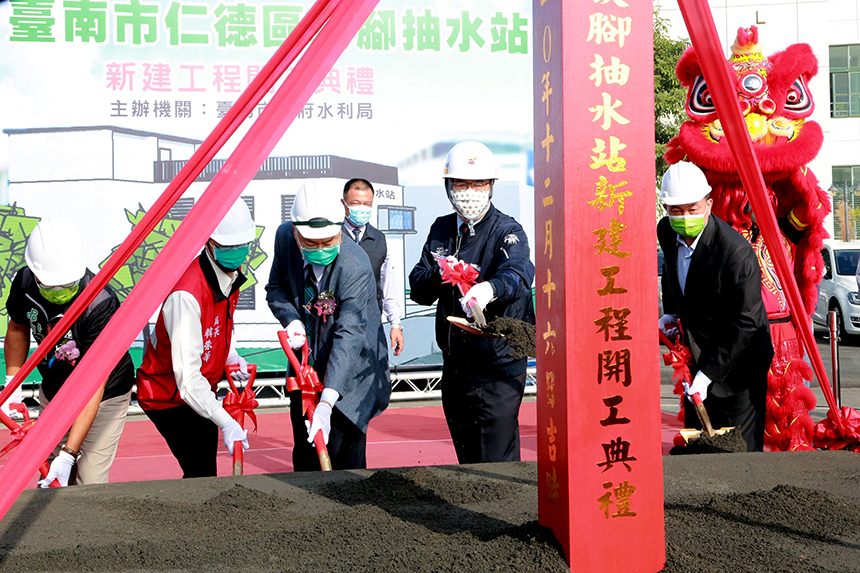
x,y
349,347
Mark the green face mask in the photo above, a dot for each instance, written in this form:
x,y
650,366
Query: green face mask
x,y
689,226
230,258
323,256
61,296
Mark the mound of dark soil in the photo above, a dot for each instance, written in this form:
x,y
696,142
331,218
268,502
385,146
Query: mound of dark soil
x,y
728,443
735,513
519,335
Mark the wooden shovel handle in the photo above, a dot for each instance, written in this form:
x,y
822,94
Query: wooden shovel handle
x,y
703,414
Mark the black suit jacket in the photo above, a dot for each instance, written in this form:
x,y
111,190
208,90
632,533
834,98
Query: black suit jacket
x,y
373,243
722,313
349,348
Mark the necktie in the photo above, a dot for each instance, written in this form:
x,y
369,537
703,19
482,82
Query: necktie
x,y
310,296
357,234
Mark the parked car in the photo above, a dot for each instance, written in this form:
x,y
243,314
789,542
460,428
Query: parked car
x,y
839,291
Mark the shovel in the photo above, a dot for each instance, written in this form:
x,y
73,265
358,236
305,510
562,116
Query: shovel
x,y
678,357
240,402
469,327
307,381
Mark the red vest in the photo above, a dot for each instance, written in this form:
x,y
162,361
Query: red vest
x,y
156,384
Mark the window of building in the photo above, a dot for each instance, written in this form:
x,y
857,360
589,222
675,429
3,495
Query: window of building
x,y
247,300
249,201
181,208
286,206
845,193
845,81
397,219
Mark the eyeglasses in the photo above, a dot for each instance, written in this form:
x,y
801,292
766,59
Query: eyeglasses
x,y
232,247
476,185
58,287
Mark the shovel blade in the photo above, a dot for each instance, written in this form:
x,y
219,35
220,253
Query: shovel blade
x,y
689,433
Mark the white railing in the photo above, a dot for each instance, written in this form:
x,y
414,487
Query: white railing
x,y
405,386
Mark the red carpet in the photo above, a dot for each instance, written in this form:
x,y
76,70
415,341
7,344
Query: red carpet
x,y
400,437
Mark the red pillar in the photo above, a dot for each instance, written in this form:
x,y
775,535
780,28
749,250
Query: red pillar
x,y
600,470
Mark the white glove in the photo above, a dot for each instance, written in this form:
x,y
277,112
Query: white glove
x,y
233,433
61,467
16,397
322,421
700,384
668,324
296,334
481,292
242,374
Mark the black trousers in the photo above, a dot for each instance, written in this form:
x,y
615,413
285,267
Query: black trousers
x,y
192,439
347,444
483,412
745,410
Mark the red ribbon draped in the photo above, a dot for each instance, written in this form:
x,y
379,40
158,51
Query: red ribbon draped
x,y
458,273
679,357
827,434
309,383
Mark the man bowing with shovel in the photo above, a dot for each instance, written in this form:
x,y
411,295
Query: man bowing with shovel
x,y
712,284
323,292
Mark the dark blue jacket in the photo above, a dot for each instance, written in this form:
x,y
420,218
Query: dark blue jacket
x,y
500,249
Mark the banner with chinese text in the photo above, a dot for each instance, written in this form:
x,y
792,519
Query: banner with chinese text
x,y
599,448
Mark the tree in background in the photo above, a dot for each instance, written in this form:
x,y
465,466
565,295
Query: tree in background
x,y
131,271
669,96
15,229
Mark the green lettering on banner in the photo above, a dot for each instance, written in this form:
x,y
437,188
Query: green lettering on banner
x,y
421,32
513,40
172,23
32,21
236,25
378,33
469,31
278,23
87,20
136,15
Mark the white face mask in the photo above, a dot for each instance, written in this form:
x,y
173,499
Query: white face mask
x,y
470,204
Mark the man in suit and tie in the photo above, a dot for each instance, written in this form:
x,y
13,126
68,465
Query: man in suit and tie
x,y
712,284
358,203
322,289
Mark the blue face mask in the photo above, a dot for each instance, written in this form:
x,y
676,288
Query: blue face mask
x,y
230,258
359,215
323,256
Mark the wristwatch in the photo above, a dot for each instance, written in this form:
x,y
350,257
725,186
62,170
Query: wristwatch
x,y
397,326
71,452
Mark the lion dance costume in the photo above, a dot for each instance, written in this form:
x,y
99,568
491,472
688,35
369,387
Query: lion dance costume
x,y
776,102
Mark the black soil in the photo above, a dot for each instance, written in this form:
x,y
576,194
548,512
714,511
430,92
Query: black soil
x,y
731,513
519,335
728,443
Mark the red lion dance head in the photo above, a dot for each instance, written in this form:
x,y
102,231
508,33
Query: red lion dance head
x,y
776,102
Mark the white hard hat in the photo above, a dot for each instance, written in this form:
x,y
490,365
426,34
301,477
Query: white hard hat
x,y
470,160
317,211
237,227
684,183
56,253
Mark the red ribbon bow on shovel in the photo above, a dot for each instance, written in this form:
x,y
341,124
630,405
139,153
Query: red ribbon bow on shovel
x,y
307,381
18,433
459,274
463,276
237,405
